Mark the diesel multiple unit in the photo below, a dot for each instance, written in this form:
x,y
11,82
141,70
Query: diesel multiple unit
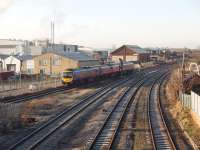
x,y
71,76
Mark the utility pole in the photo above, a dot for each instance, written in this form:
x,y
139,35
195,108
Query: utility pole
x,y
182,68
52,34
124,58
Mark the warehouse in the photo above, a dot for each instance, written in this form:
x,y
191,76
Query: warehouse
x,y
53,63
130,53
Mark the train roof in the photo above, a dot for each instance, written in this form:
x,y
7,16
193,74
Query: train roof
x,y
98,66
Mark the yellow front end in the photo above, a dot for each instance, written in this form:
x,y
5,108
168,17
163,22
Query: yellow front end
x,y
67,80
67,77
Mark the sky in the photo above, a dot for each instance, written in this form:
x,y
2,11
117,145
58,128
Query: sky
x,y
104,23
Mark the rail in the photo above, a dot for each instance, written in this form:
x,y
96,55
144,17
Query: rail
x,y
107,133
161,137
65,116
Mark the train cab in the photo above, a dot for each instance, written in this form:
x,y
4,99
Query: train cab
x,y
67,77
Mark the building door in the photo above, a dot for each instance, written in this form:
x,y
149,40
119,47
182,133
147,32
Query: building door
x,y
11,67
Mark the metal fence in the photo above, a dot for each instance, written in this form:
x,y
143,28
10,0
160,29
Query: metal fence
x,y
185,99
14,87
191,101
195,103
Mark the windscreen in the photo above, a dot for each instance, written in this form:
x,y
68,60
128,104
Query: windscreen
x,y
67,74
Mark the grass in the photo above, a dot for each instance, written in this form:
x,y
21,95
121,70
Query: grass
x,y
183,115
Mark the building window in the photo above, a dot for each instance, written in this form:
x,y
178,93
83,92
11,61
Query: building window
x,y
64,48
43,62
42,71
56,60
30,71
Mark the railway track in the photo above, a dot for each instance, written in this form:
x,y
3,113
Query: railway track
x,y
39,94
161,137
27,97
24,98
35,138
105,136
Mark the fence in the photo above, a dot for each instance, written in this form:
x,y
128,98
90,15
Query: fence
x,y
191,101
14,87
185,99
195,103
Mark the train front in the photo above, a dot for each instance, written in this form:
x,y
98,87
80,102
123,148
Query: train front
x,y
67,77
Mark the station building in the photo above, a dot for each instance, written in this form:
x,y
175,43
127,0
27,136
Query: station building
x,y
130,53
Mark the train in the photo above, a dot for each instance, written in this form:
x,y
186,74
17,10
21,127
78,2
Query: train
x,y
72,76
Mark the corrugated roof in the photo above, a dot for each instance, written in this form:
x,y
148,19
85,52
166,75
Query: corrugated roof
x,y
80,56
23,57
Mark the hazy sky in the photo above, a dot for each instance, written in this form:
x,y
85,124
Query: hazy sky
x,y
104,23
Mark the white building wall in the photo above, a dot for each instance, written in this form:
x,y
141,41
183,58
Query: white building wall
x,y
30,64
11,42
13,60
13,47
7,51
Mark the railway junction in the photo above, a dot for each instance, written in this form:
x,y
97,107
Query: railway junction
x,y
122,112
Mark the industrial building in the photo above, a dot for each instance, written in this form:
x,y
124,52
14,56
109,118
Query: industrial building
x,y
34,48
130,53
53,63
13,47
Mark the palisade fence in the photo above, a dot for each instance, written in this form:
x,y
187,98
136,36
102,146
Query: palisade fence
x,y
191,101
195,103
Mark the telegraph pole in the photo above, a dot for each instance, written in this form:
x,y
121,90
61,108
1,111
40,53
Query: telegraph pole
x,y
124,58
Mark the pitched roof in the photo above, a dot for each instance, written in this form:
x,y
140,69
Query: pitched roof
x,y
136,48
131,49
22,57
80,56
2,56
